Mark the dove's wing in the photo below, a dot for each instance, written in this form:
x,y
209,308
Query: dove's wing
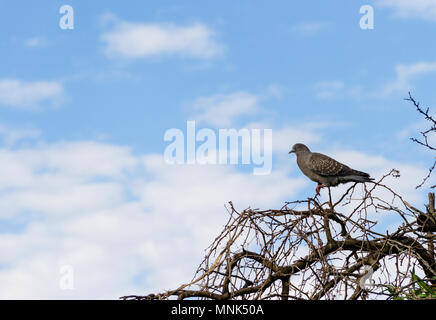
x,y
325,166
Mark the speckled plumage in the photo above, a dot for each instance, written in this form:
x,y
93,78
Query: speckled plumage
x,y
327,172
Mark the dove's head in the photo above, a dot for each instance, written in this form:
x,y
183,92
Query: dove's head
x,y
299,148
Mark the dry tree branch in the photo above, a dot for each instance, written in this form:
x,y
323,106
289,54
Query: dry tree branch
x,y
310,250
425,135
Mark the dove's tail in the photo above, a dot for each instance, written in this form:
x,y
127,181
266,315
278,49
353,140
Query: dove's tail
x,y
356,178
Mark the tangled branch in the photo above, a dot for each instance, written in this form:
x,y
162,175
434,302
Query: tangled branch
x,y
313,250
425,135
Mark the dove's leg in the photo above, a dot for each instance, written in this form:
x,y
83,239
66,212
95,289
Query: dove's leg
x,y
318,187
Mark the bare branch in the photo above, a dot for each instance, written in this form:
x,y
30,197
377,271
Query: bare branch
x,y
425,135
308,250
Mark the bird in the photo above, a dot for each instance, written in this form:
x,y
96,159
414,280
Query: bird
x,y
327,172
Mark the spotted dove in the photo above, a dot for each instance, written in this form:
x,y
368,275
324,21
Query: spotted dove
x,y
327,172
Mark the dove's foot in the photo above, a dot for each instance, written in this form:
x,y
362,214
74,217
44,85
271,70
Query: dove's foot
x,y
318,188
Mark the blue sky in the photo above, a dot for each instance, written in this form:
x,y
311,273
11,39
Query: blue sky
x,y
292,47
83,113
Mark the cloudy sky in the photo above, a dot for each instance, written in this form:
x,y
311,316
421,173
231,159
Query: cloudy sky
x,y
84,188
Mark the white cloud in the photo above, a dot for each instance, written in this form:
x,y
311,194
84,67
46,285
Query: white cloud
x,y
11,136
34,42
276,90
126,223
130,223
285,137
139,40
222,109
30,95
414,129
328,89
309,28
404,74
335,89
424,9
402,83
